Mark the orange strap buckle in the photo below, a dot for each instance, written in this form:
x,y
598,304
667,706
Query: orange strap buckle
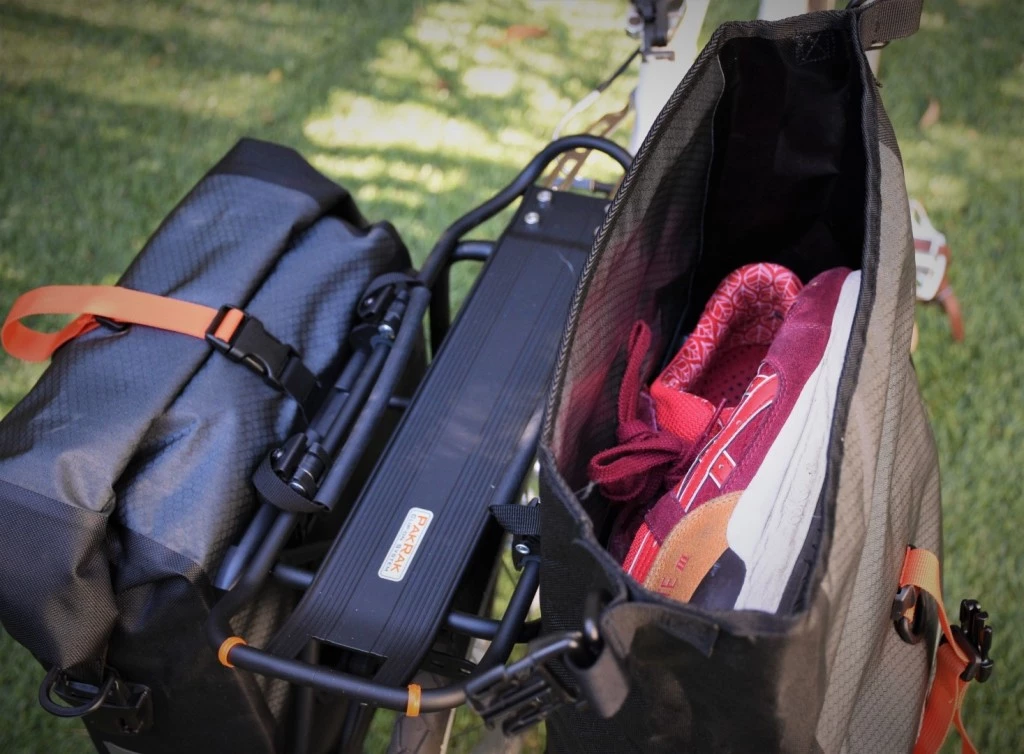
x,y
963,653
229,330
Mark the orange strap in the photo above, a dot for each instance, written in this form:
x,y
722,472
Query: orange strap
x,y
942,710
691,549
109,301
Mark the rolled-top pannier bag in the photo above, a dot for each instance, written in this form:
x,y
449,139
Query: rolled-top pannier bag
x,y
748,592
125,472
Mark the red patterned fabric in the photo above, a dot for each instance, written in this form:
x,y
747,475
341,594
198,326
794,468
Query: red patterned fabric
x,y
721,355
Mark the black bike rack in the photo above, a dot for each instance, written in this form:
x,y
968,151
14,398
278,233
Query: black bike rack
x,y
314,468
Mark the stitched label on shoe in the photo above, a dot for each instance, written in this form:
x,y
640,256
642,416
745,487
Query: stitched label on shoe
x,y
691,549
406,543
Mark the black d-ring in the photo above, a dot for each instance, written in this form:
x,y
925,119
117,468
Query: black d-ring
x,y
909,629
81,710
592,643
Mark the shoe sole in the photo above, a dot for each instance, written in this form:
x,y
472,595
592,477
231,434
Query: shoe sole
x,y
770,524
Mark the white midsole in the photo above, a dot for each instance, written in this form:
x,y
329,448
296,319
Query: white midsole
x,y
770,523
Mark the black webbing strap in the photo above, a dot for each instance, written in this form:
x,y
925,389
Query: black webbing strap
x,y
882,21
518,520
273,490
523,523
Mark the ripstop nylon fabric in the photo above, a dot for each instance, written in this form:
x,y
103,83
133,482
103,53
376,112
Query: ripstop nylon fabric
x,y
888,496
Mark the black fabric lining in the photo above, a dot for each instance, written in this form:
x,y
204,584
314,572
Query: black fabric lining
x,y
787,179
285,167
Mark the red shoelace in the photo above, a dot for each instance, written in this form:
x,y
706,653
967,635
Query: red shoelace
x,y
647,461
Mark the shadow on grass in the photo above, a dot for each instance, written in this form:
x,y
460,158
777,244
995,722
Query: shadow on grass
x,y
111,111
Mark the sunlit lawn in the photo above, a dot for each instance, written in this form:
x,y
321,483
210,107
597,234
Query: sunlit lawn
x,y
110,111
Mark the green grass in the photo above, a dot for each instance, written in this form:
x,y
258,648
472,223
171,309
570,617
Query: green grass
x,y
110,111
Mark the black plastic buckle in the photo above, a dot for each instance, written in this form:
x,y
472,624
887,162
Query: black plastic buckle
x,y
113,706
277,363
526,692
252,345
974,638
381,309
375,302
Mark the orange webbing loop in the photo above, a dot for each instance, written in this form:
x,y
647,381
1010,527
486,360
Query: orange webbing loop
x,y
225,648
412,707
113,302
942,709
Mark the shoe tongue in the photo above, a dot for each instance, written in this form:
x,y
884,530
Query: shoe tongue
x,y
723,352
683,414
